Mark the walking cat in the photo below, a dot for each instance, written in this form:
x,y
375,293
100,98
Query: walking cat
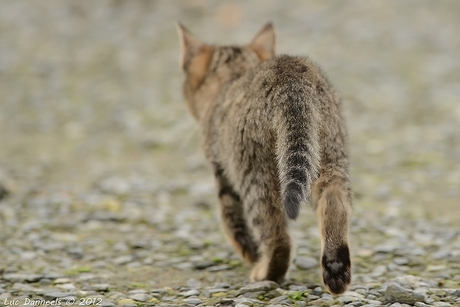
x,y
273,131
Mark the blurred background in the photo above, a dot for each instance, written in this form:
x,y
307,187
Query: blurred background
x,y
92,116
101,166
91,93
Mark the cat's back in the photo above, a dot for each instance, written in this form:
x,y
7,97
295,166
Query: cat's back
x,y
259,90
284,69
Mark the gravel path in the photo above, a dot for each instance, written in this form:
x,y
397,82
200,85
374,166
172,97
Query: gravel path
x,y
105,197
128,252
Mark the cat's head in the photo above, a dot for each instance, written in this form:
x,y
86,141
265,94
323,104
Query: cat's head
x,y
209,67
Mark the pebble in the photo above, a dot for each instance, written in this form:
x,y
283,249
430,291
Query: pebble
x,y
123,260
108,303
203,265
396,293
192,292
298,288
220,267
18,277
318,290
193,301
303,262
194,284
66,286
265,285
58,294
278,299
140,297
379,271
62,281
126,303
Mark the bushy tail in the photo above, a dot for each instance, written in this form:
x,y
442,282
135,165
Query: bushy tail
x,y
298,150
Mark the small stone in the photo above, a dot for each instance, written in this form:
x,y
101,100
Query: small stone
x,y
378,271
107,303
116,295
99,287
359,289
5,295
57,294
216,290
441,304
204,265
22,287
318,291
297,288
278,299
18,277
137,291
241,305
401,261
140,297
126,302
433,268
442,254
374,302
66,286
193,283
169,299
301,303
193,301
192,292
306,262
438,292
183,266
354,294
222,285
122,260
45,282
253,295
420,304
220,267
76,252
396,293
62,281
265,285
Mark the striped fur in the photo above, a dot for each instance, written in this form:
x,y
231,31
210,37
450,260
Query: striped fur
x,y
273,131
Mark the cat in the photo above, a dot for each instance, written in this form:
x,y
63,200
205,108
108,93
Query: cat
x,y
273,130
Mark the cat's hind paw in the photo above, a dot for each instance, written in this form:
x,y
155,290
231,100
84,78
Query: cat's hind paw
x,y
337,270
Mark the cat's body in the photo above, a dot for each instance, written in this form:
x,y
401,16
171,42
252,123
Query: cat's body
x,y
273,131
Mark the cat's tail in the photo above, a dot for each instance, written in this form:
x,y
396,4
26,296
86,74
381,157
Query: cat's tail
x,y
298,153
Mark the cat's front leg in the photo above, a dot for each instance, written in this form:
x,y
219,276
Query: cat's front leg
x,y
233,220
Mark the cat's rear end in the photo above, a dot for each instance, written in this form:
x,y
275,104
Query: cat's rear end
x,y
273,131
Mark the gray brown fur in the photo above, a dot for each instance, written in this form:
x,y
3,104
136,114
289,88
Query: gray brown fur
x,y
273,131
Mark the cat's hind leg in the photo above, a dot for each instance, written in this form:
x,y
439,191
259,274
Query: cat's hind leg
x,y
333,205
233,220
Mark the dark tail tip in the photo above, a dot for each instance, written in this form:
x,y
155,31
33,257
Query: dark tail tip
x,y
292,198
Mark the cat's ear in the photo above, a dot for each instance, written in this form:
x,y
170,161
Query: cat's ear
x,y
190,46
264,43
